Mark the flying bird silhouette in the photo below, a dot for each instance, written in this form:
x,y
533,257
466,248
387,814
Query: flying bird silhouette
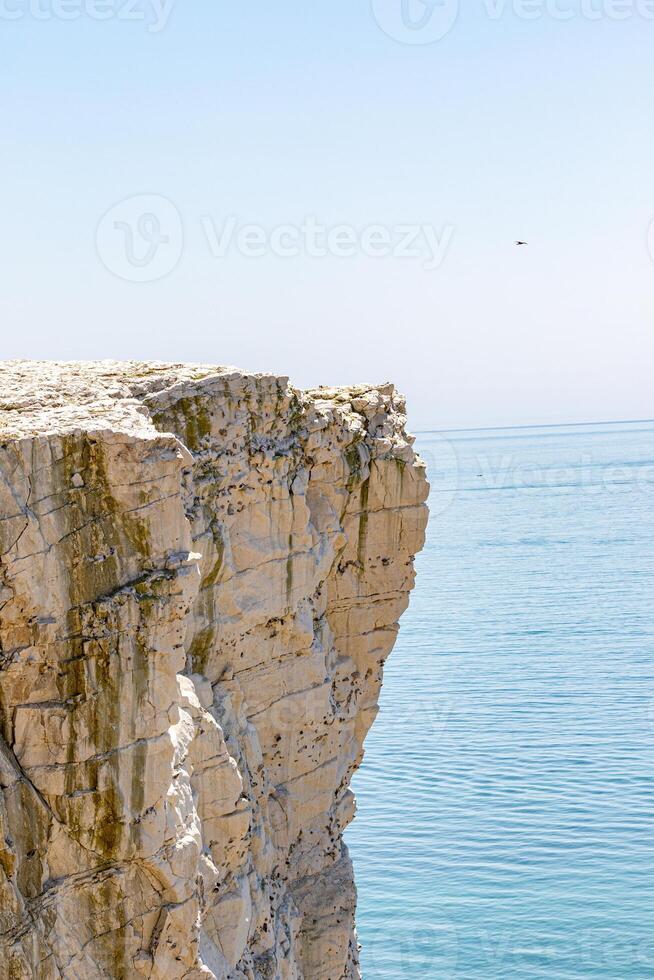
x,y
521,243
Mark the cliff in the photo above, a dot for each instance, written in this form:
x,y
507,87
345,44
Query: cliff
x,y
201,576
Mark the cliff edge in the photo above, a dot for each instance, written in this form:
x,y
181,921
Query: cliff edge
x,y
201,576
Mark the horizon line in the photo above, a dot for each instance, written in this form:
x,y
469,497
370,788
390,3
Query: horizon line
x,y
534,425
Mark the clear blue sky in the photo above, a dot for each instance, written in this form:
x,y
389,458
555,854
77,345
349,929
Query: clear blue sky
x,y
505,128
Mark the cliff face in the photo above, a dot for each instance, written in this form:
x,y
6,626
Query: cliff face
x,y
201,577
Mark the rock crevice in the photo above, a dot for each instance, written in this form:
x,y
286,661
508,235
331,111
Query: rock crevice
x,y
201,576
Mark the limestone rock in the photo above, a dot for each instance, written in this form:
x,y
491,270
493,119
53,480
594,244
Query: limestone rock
x,y
201,576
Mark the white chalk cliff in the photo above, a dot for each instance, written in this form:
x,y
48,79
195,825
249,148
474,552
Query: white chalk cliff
x,y
201,576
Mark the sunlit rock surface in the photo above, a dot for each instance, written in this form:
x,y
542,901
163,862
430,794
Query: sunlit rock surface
x,y
202,573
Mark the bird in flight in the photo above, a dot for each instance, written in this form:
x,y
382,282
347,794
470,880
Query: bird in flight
x,y
521,243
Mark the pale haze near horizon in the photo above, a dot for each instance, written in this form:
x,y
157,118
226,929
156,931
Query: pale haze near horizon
x,y
504,129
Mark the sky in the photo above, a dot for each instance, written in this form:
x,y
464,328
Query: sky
x,y
331,190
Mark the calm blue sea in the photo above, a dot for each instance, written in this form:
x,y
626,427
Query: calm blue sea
x,y
506,801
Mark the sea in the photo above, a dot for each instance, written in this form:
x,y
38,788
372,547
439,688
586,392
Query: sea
x,y
505,822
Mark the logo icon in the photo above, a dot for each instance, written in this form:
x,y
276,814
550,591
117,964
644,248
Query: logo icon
x,y
650,240
141,238
416,21
442,463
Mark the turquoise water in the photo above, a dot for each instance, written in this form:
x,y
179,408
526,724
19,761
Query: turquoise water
x,y
506,801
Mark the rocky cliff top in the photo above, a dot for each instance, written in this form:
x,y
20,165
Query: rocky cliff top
x,y
39,397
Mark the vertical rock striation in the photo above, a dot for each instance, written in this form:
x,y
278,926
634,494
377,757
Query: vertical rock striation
x,y
202,573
